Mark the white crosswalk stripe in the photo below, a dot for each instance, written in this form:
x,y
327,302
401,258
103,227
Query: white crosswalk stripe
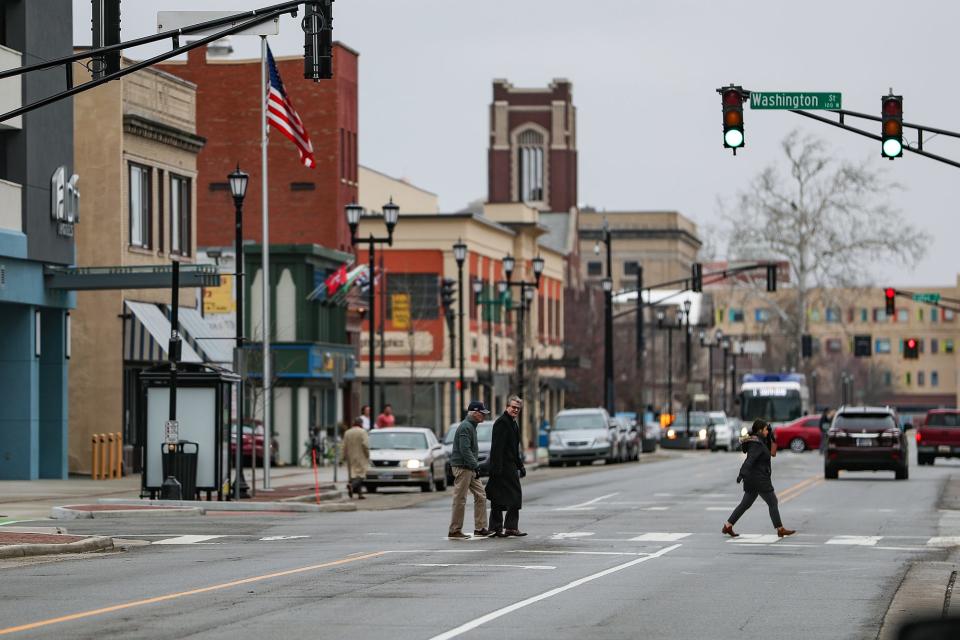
x,y
756,538
660,537
189,539
863,541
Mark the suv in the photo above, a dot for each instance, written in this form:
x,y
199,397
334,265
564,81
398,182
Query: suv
x,y
580,435
865,439
939,436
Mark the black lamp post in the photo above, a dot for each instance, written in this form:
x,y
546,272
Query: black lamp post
x,y
661,316
508,265
608,392
238,189
726,352
460,254
686,354
485,302
710,345
391,215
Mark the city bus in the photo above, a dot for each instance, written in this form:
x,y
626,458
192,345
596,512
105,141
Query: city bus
x,y
775,397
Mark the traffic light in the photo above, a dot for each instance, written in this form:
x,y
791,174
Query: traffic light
x,y
892,126
911,348
448,293
771,277
696,272
732,98
890,293
318,40
106,31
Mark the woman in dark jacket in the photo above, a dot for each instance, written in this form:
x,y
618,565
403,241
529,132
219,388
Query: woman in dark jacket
x,y
755,474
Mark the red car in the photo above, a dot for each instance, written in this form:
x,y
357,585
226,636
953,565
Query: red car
x,y
939,436
249,438
799,435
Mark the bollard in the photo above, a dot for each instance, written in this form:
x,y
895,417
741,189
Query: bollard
x,y
118,461
103,456
106,456
94,458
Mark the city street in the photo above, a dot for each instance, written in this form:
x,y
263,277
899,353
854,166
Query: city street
x,y
619,552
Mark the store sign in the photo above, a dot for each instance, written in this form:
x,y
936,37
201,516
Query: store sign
x,y
64,201
400,343
217,300
400,307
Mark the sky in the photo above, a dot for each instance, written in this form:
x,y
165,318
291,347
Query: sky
x,y
644,77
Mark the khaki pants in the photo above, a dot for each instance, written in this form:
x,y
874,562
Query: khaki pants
x,y
464,480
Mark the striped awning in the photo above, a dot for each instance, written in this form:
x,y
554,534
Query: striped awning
x,y
210,339
147,333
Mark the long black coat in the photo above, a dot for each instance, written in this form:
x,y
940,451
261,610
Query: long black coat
x,y
755,470
503,488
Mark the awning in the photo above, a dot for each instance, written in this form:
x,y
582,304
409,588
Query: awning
x,y
214,343
147,335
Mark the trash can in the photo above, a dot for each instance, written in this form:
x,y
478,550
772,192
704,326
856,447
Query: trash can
x,y
181,463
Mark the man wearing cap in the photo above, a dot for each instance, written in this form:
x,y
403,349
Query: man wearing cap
x,y
465,461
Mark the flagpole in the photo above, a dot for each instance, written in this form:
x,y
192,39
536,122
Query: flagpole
x,y
267,373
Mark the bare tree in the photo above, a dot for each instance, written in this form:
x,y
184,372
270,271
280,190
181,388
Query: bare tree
x,y
827,218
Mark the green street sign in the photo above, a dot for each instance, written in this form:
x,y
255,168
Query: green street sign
x,y
926,297
794,100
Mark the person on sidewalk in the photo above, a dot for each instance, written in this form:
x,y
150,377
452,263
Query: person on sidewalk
x,y
356,449
506,469
465,462
386,419
755,474
366,417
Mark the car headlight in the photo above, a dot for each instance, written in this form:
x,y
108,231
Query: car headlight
x,y
414,464
555,439
602,438
671,434
703,434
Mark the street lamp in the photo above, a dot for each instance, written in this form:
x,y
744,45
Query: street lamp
x,y
460,255
391,215
238,189
608,391
525,286
726,351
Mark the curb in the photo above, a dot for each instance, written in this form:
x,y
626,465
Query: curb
x,y
68,513
292,506
98,543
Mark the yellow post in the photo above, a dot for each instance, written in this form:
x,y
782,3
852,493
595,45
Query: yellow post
x,y
111,453
94,463
103,456
119,465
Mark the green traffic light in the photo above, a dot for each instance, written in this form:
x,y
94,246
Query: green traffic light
x,y
733,138
892,148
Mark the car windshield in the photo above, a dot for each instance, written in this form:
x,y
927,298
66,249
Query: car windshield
x,y
943,420
386,439
782,406
574,421
696,420
867,422
484,433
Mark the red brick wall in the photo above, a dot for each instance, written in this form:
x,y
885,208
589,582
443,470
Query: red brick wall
x,y
228,116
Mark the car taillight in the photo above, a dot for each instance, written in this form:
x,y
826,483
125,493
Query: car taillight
x,y
919,437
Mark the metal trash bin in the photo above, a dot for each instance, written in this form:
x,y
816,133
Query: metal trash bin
x,y
182,465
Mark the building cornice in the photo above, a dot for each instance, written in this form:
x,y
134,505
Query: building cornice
x,y
162,133
634,234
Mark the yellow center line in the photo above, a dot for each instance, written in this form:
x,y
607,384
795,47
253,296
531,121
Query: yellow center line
x,y
800,486
802,490
182,594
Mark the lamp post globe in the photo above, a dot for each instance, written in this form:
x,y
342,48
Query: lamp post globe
x,y
391,215
607,284
528,293
686,306
478,286
538,264
502,286
508,264
238,183
460,252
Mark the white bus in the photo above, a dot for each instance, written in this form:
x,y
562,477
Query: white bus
x,y
775,397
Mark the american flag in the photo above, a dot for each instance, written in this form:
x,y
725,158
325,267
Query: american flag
x,y
282,115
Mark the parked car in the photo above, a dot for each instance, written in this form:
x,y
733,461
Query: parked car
x,y
650,437
865,439
484,435
687,431
628,439
939,436
579,435
252,443
799,435
406,456
722,433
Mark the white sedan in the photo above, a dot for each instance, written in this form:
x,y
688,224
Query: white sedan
x,y
406,456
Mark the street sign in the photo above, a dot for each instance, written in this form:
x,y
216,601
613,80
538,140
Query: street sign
x,y
926,297
171,432
400,303
804,101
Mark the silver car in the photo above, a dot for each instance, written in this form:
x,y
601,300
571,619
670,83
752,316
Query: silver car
x,y
723,432
580,435
406,456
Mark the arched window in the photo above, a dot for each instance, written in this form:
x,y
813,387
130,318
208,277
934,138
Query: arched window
x,y
530,166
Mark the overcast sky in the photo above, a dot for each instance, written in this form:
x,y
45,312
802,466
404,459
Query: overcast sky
x,y
644,75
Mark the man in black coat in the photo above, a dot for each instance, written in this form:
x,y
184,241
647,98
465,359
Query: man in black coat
x,y
506,469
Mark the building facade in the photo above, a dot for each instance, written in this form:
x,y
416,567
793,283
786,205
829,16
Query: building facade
x,y
39,215
137,144
376,189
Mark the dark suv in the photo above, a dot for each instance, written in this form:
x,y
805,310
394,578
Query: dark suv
x,y
865,439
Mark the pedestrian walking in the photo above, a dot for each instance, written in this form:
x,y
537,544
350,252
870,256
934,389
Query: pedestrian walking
x,y
356,449
465,462
755,475
386,418
366,418
506,469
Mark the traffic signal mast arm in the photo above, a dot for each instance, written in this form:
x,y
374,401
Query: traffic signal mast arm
x,y
249,19
953,306
844,113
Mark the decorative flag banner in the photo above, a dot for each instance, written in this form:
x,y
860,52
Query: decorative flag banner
x,y
282,115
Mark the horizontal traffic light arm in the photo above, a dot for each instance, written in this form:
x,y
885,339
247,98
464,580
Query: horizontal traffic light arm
x,y
903,293
250,18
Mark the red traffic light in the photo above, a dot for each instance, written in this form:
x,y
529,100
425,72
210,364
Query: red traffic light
x,y
911,343
889,292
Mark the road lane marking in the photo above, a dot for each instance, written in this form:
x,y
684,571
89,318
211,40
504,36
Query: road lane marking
x,y
274,538
813,485
863,541
182,594
944,541
585,506
730,508
189,539
462,564
578,553
437,551
660,537
571,534
756,538
493,615
790,493
654,508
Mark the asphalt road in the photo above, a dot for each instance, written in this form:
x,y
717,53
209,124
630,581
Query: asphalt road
x,y
622,552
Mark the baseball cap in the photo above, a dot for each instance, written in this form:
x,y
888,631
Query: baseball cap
x,y
476,405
